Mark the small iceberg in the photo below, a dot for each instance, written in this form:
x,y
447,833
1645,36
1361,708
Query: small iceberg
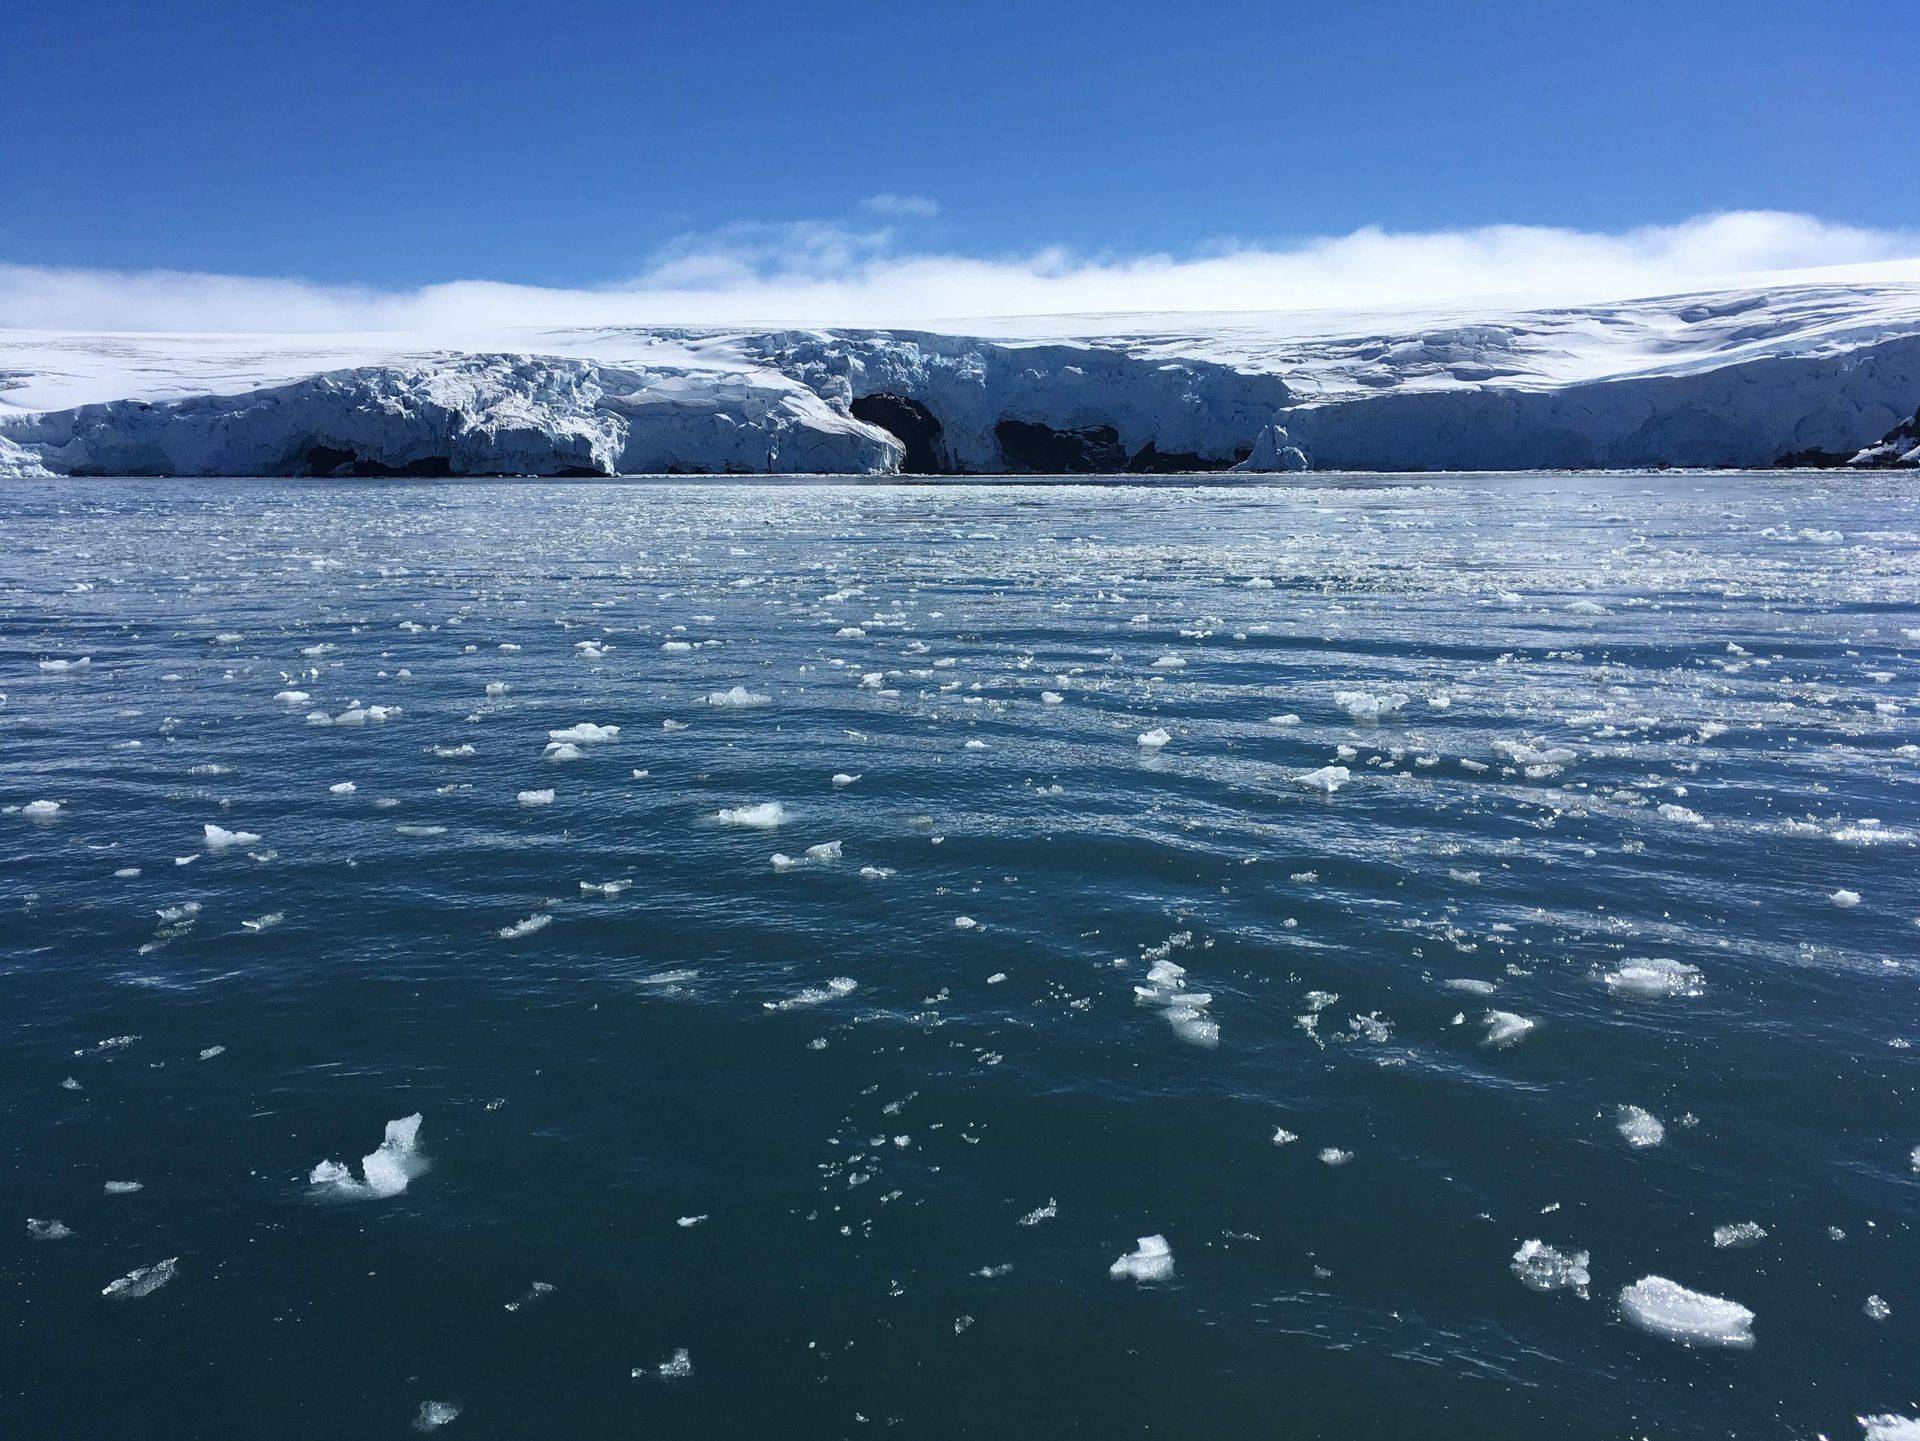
x,y
1640,1127
586,733
1653,978
1693,1318
763,816
1504,1029
738,698
141,1281
1151,1261
1542,1268
387,1170
1326,780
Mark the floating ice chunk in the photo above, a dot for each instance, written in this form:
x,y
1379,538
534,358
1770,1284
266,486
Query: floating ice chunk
x,y
1289,719
1369,707
876,873
1151,1261
1168,662
841,778
1654,978
1326,780
535,798
211,1051
687,1222
738,698
123,1188
1504,1028
61,667
266,922
815,995
1334,1156
432,1415
1740,1233
387,1170
219,838
1683,814
1586,607
1283,1137
1888,1427
826,851
537,921
761,816
1041,1213
48,1230
964,923
342,788
459,752
1475,987
562,751
529,1296
40,810
1875,1309
677,647
1154,739
674,1368
604,888
1542,1268
1051,697
1640,1127
1693,1318
586,733
1845,899
1531,758
141,1281
292,697
498,688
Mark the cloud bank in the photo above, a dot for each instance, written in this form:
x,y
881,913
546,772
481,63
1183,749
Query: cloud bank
x,y
823,272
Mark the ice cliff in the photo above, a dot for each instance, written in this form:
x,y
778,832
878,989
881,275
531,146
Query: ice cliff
x,y
1810,374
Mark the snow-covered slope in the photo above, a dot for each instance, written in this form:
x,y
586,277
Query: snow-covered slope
x,y
1748,377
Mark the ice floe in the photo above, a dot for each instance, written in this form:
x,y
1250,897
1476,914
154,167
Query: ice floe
x,y
387,1170
1693,1318
1505,1028
1543,1268
1640,1127
1151,1260
1654,978
760,816
142,1280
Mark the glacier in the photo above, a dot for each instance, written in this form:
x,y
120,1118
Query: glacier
x,y
1800,374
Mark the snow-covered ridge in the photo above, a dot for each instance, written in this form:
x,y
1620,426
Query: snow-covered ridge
x,y
1815,373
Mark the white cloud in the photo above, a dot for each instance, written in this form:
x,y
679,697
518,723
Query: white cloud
x,y
902,207
812,272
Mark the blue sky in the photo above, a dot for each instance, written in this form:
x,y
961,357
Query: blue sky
x,y
580,144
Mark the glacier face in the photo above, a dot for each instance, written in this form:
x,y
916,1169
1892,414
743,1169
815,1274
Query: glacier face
x,y
484,414
1822,373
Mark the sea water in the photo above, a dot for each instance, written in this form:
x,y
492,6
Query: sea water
x,y
1334,958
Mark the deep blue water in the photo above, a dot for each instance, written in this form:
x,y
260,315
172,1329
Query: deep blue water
x,y
1743,651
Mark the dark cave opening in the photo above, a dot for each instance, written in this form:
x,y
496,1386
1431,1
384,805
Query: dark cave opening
x,y
912,424
1093,450
332,461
